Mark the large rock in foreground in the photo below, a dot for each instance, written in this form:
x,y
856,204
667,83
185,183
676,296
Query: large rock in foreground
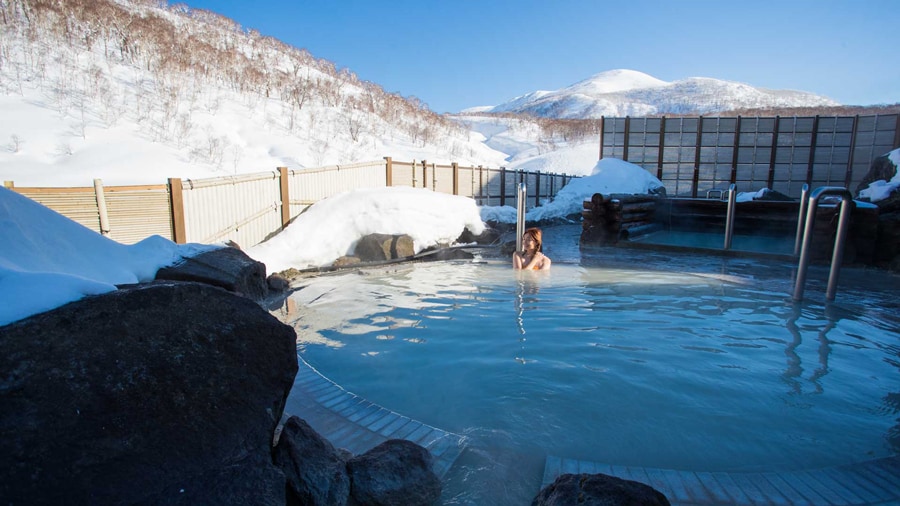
x,y
166,393
598,490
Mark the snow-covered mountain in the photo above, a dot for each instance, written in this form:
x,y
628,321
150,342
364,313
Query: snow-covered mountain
x,y
631,93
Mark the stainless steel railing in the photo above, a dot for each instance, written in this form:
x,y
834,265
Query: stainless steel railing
x,y
801,219
838,254
521,195
729,216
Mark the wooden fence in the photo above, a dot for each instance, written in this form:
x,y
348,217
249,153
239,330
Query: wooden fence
x,y
692,156
249,208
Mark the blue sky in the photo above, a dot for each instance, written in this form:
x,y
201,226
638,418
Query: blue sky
x,y
454,54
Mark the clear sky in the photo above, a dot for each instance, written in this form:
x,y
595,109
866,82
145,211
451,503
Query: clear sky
x,y
454,54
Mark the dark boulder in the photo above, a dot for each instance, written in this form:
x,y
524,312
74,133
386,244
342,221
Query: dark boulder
x,y
882,169
598,490
167,393
228,268
394,472
316,472
381,247
489,235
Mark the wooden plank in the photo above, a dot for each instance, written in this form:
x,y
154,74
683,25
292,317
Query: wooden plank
x,y
383,422
873,473
363,412
734,490
352,408
850,484
569,466
587,467
552,468
374,417
676,489
407,429
711,488
329,395
420,433
769,491
390,430
826,488
797,491
754,494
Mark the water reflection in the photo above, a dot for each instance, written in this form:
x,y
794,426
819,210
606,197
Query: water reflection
x,y
794,369
526,289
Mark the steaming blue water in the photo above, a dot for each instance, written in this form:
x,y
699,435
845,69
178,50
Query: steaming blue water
x,y
706,365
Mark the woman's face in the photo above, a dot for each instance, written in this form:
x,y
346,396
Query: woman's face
x,y
529,242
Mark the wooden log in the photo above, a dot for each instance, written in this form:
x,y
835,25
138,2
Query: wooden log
x,y
597,199
635,224
638,206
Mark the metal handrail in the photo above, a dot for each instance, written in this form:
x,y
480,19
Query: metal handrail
x,y
521,195
838,255
804,200
729,217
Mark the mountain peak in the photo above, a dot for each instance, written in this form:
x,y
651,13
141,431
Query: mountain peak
x,y
623,92
612,81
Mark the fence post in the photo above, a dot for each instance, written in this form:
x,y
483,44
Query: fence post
x,y
9,184
455,178
627,133
695,181
812,150
735,149
849,174
413,172
388,171
101,207
285,196
537,189
771,181
662,148
176,201
481,191
896,134
502,186
424,174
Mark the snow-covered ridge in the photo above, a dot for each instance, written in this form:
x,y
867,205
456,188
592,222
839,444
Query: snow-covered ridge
x,y
625,92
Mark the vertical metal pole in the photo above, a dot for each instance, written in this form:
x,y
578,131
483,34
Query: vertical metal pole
x,y
520,214
837,256
729,217
804,201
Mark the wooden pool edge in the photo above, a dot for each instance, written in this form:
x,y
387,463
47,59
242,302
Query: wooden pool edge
x,y
350,422
874,482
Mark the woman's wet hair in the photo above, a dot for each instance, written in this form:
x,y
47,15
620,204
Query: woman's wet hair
x,y
536,234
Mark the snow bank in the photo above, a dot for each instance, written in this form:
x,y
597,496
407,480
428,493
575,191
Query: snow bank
x,y
609,175
330,228
47,260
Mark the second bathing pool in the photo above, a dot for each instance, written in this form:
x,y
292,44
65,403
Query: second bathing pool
x,y
623,357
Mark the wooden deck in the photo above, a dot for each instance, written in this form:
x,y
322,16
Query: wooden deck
x,y
876,482
355,424
350,422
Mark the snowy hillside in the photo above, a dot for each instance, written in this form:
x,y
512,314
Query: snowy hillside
x,y
632,93
134,92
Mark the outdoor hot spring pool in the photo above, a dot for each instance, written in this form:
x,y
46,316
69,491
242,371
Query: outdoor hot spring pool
x,y
628,358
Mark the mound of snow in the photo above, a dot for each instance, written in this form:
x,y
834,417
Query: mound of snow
x,y
610,175
330,228
47,260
